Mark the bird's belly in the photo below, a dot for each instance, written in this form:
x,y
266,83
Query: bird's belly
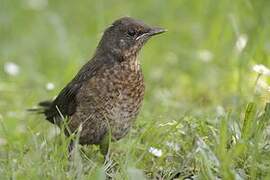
x,y
122,114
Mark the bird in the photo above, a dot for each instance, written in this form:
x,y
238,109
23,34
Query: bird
x,y
104,98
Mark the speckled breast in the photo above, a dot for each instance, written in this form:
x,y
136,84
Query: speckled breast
x,y
127,88
111,99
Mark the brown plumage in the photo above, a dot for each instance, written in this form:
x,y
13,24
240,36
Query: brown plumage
x,y
108,91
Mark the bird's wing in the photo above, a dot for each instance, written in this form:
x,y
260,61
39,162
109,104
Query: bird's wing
x,y
65,103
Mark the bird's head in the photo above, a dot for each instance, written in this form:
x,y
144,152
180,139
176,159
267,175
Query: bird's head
x,y
126,36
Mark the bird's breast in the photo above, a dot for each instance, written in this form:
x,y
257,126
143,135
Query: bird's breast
x,y
125,92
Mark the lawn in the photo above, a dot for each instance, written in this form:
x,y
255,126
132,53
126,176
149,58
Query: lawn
x,y
205,114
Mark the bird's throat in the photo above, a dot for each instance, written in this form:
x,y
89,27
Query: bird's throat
x,y
131,64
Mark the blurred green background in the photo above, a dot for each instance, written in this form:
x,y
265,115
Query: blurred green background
x,y
202,67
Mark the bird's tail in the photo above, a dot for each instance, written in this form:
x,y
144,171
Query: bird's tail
x,y
42,107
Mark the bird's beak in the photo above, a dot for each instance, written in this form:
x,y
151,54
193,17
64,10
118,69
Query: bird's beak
x,y
156,30
152,32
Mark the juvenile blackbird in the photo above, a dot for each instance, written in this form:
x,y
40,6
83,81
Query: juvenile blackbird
x,y
106,94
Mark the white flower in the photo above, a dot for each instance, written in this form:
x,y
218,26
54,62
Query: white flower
x,y
241,42
50,86
261,69
11,68
205,55
156,152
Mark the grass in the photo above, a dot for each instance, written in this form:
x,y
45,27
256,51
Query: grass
x,y
204,113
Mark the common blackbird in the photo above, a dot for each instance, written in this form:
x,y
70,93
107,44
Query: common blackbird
x,y
105,96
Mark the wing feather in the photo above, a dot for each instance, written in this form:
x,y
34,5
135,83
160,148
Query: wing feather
x,y
65,103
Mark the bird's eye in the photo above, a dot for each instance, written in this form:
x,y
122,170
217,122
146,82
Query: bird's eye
x,y
131,32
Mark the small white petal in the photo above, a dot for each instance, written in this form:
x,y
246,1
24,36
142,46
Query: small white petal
x,y
11,68
50,86
156,152
261,69
241,42
205,55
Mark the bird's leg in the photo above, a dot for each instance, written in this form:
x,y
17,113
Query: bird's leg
x,y
70,148
104,146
